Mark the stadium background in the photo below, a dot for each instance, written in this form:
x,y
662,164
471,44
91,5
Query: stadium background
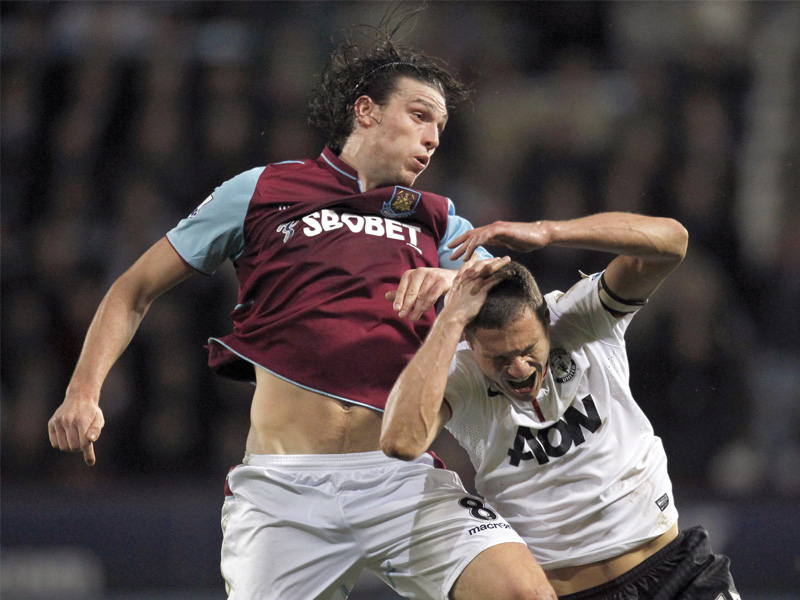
x,y
118,118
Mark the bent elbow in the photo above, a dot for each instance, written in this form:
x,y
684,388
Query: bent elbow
x,y
678,241
395,448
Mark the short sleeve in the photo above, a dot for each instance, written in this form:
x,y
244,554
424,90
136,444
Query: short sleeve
x,y
587,306
455,227
214,231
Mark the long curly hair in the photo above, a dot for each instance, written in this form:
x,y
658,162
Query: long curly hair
x,y
369,62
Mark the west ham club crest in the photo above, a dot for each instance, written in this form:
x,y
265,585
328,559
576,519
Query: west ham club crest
x,y
403,203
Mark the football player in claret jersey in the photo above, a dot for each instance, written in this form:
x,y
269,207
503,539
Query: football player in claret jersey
x,y
538,394
317,244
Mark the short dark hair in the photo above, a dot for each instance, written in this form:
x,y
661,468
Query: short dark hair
x,y
371,68
506,302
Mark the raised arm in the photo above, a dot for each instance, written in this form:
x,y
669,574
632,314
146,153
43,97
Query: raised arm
x,y
648,248
414,411
77,423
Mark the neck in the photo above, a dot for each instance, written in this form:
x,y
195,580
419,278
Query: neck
x,y
356,154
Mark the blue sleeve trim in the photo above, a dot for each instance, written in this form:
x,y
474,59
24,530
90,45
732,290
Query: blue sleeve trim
x,y
455,227
214,231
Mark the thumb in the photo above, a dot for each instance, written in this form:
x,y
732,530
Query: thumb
x,y
391,295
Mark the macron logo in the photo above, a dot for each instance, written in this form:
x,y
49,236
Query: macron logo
x,y
486,526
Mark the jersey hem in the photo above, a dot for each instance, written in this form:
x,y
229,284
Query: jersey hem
x,y
588,559
300,385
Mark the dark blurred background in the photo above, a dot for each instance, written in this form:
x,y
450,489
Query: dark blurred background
x,y
118,118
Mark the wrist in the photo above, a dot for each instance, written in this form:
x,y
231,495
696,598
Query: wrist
x,y
452,319
547,231
83,392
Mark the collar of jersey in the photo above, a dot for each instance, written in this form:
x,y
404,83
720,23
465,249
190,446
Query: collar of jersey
x,y
330,161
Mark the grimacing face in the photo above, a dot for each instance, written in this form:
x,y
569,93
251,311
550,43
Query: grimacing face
x,y
408,129
514,358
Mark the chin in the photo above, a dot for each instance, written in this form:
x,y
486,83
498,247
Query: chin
x,y
409,180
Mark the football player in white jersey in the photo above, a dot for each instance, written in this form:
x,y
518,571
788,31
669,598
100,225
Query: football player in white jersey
x,y
538,395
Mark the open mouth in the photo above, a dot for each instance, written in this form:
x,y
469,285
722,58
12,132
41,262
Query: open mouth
x,y
524,386
422,161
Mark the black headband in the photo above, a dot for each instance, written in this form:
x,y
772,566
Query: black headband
x,y
369,75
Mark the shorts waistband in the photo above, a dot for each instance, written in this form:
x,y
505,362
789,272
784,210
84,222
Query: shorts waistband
x,y
355,460
630,575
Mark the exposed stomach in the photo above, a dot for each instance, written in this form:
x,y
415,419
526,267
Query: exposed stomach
x,y
287,419
568,580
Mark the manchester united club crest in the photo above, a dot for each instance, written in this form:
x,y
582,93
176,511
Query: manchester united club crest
x,y
403,203
562,364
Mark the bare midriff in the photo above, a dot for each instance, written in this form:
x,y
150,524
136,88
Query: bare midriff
x,y
568,580
287,419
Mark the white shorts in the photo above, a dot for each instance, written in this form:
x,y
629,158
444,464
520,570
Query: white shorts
x,y
303,527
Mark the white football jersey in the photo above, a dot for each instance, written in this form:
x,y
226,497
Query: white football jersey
x,y
579,474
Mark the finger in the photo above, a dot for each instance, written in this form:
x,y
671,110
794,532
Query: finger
x,y
61,436
495,264
460,239
391,295
51,433
463,242
400,292
74,438
470,247
88,454
409,300
424,301
484,285
463,251
416,282
436,291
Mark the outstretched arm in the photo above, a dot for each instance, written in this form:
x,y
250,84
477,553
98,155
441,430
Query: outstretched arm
x,y
77,423
648,248
414,412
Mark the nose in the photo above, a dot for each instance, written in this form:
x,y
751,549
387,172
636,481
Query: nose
x,y
431,137
518,369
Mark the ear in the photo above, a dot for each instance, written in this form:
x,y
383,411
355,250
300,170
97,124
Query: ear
x,y
365,108
469,338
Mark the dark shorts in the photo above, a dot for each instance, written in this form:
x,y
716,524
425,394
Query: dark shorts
x,y
684,569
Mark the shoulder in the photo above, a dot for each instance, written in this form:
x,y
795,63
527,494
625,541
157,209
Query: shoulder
x,y
579,316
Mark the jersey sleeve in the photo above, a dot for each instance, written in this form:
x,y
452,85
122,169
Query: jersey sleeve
x,y
214,231
591,307
455,227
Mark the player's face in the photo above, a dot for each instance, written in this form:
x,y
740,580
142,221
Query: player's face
x,y
515,357
407,132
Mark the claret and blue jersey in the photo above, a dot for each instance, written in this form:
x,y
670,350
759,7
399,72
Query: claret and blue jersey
x,y
314,256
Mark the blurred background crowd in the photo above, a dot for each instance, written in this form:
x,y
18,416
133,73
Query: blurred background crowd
x,y
118,118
